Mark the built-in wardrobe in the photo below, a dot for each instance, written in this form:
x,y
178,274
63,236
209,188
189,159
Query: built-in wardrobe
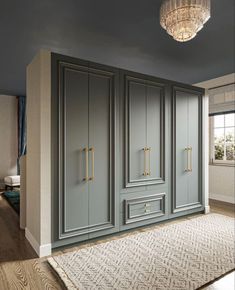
x,y
126,150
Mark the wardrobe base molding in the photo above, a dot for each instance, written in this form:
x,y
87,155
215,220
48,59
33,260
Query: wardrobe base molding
x,y
187,207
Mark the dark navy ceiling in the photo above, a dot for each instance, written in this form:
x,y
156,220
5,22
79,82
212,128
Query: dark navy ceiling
x,y
122,33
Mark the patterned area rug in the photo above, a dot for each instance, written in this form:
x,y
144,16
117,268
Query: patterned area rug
x,y
185,255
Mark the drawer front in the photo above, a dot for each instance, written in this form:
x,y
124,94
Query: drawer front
x,y
144,208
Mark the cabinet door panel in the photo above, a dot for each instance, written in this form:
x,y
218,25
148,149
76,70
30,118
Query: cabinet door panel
x,y
74,131
193,141
99,126
186,185
145,128
101,133
137,131
181,136
154,131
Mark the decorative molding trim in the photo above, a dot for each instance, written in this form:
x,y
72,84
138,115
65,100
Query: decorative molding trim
x,y
174,207
128,79
220,197
205,151
43,250
62,66
141,216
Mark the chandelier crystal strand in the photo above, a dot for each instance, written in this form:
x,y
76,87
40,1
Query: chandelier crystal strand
x,y
182,19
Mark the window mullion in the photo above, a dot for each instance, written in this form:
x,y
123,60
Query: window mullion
x,y
225,153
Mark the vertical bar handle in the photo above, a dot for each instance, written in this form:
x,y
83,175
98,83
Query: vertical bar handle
x,y
86,166
92,150
145,161
190,149
149,150
187,165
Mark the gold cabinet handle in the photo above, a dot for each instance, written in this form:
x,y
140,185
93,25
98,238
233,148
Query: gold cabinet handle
x,y
86,168
145,161
189,159
190,168
186,150
149,172
92,150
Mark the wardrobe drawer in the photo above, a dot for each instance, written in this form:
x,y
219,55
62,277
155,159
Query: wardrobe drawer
x,y
144,208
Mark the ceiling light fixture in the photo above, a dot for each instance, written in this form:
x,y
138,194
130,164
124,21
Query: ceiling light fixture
x,y
182,19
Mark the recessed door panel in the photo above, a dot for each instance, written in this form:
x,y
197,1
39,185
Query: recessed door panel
x,y
181,136
137,122
101,193
74,107
154,132
193,141
144,134
186,182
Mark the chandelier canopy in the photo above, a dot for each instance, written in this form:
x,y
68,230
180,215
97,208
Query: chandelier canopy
x,y
182,19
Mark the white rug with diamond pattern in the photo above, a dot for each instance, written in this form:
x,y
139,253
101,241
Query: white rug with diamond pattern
x,y
180,256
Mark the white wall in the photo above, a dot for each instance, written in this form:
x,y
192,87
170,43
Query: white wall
x,y
38,159
221,177
8,137
222,183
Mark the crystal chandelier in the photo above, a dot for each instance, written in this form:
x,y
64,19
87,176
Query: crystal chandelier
x,y
182,19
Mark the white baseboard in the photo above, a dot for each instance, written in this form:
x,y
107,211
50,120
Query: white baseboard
x,y
43,250
207,209
220,197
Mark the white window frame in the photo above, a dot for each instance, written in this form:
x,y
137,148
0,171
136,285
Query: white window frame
x,y
212,146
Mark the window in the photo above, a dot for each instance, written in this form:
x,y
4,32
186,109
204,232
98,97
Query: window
x,y
222,138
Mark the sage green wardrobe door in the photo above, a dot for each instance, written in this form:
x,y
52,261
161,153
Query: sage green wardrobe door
x,y
144,131
102,202
137,124
155,133
87,201
73,110
187,140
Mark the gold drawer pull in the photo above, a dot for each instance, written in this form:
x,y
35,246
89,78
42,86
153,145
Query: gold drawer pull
x,y
147,207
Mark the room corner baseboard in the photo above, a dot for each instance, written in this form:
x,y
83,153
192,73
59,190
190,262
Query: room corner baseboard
x,y
224,198
41,251
207,209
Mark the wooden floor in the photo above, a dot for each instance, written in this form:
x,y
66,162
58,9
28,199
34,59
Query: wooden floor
x,y
20,269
